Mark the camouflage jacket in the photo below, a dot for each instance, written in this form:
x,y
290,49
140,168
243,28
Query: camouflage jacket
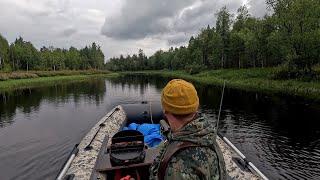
x,y
203,162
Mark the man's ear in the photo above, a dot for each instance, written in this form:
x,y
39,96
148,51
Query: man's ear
x,y
165,114
166,117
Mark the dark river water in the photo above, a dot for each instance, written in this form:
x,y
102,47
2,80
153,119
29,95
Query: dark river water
x,y
39,126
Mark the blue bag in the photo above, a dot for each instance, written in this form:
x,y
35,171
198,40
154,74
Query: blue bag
x,y
151,132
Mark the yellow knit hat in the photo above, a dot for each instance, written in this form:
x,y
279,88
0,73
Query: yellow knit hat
x,y
179,97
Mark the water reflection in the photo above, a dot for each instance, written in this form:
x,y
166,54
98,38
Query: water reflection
x,y
40,125
28,100
280,134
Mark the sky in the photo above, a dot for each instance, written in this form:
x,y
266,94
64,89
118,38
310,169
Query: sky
x,y
118,26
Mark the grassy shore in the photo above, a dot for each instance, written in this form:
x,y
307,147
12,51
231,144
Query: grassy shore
x,y
44,78
258,79
4,76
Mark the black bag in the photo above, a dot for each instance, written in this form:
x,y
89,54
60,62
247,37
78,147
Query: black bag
x,y
127,147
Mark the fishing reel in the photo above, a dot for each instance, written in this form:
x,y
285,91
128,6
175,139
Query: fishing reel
x,y
164,128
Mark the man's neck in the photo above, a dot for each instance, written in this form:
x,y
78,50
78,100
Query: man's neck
x,y
178,123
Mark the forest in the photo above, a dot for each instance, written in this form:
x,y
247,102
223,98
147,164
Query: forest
x,y
21,55
288,38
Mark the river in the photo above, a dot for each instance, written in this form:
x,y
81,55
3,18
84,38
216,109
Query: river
x,y
39,126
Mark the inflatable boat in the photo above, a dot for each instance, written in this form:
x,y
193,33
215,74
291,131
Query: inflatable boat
x,y
110,152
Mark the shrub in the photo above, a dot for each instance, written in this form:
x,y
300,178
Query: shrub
x,y
33,74
285,72
195,68
17,75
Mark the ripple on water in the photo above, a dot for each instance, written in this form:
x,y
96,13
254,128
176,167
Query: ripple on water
x,y
39,127
44,161
274,153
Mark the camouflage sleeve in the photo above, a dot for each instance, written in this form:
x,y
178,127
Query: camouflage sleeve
x,y
194,163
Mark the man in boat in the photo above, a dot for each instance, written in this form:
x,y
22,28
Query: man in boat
x,y
190,151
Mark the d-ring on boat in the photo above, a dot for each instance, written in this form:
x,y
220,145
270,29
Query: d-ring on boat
x,y
107,151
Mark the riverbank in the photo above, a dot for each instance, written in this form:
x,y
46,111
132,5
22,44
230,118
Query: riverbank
x,y
257,79
4,76
21,80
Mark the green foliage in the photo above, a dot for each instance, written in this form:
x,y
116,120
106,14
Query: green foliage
x,y
72,59
290,72
22,55
194,68
6,68
17,75
291,36
297,23
47,81
135,62
36,74
253,79
4,53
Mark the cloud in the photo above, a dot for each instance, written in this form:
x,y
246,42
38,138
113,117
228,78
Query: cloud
x,y
164,19
140,18
68,32
257,8
60,23
118,26
177,39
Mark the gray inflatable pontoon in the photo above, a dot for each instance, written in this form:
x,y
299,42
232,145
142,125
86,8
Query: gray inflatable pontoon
x,y
89,159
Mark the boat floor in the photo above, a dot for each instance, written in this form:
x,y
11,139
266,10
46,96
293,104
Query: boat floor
x,y
83,164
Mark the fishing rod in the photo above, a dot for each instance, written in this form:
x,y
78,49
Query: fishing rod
x,y
150,109
220,108
89,147
226,140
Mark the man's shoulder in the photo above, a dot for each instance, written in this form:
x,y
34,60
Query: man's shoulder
x,y
193,163
195,155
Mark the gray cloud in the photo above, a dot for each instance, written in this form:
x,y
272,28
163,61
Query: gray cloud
x,y
170,20
119,26
140,18
60,23
175,39
257,8
68,32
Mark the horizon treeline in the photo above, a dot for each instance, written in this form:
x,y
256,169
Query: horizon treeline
x,y
22,55
290,36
